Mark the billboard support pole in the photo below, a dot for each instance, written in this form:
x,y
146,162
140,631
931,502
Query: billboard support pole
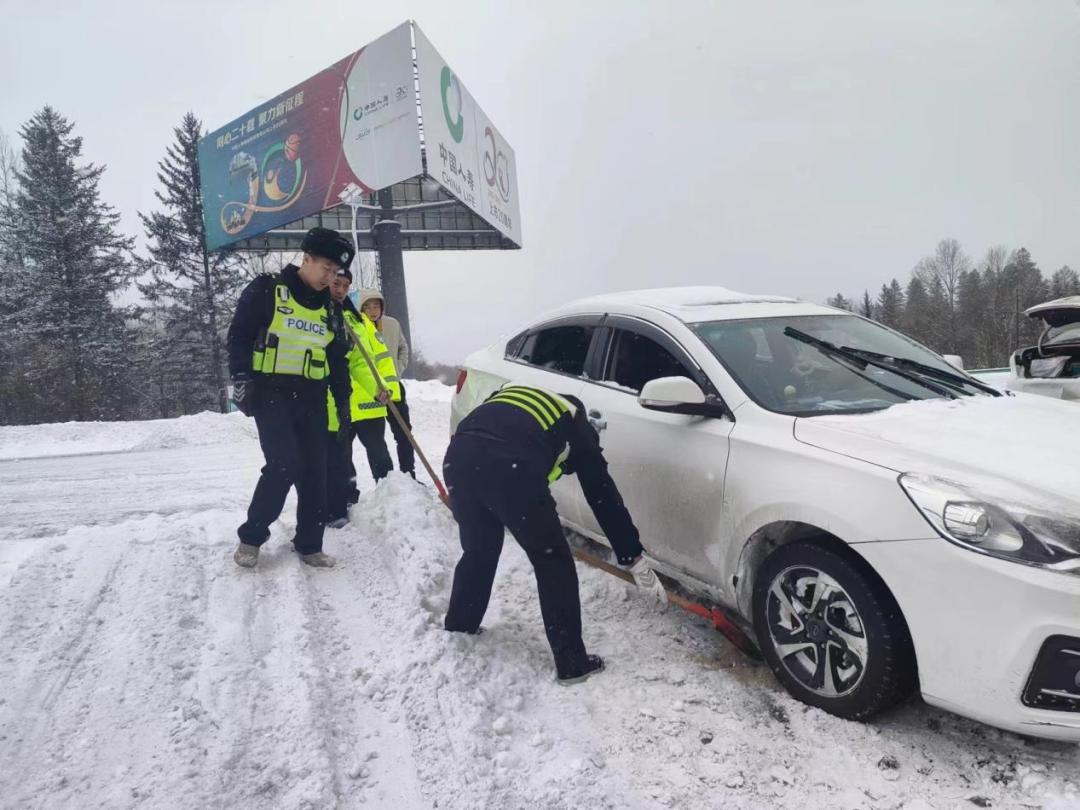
x,y
387,233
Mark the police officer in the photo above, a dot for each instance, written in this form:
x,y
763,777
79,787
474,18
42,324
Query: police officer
x,y
286,343
498,468
367,403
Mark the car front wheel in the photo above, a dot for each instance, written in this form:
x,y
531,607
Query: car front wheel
x,y
831,632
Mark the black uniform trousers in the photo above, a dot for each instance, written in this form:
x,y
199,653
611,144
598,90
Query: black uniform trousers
x,y
405,455
292,433
491,490
372,434
341,487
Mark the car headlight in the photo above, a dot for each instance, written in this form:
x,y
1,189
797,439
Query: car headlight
x,y
1023,533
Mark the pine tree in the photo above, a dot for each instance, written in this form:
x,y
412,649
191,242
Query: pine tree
x,y
972,310
997,324
13,390
1064,282
918,313
840,302
867,308
192,290
890,305
72,260
1029,288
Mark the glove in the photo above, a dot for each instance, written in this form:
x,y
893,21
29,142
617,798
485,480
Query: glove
x,y
344,431
646,579
244,393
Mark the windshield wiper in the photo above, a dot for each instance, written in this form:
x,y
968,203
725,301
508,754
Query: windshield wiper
x,y
827,348
929,371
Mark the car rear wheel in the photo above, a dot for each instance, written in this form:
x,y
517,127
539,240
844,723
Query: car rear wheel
x,y
831,632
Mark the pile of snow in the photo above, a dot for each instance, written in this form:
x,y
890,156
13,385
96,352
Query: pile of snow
x,y
81,438
141,667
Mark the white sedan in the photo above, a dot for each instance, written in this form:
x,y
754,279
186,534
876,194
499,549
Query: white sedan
x,y
882,521
1052,366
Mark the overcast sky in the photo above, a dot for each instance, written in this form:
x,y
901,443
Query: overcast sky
x,y
801,148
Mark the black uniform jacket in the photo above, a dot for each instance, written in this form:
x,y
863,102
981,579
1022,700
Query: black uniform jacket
x,y
514,433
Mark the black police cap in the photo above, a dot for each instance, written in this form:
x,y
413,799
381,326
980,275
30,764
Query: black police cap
x,y
328,244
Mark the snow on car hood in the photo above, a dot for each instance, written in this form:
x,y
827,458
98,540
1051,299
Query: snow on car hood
x,y
1020,447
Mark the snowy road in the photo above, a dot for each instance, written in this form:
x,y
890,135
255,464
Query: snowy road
x,y
140,668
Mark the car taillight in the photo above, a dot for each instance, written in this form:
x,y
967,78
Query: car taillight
x,y
461,375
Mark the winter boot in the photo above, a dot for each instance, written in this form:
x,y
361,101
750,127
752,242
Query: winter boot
x,y
593,665
318,560
246,556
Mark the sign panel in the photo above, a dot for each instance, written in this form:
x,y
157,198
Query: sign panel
x,y
466,154
355,122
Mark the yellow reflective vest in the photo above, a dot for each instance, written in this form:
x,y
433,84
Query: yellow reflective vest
x,y
296,340
363,404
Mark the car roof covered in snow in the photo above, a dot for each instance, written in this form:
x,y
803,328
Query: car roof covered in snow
x,y
696,304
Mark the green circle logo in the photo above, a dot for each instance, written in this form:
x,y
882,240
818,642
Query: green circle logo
x,y
455,121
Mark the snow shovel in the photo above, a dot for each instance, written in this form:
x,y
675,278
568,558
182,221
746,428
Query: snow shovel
x,y
395,413
731,631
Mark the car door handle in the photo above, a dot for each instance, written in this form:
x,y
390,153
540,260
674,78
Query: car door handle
x,y
597,420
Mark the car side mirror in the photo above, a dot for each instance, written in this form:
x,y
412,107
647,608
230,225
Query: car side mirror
x,y
677,395
954,360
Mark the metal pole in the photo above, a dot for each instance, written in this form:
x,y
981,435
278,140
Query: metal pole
x,y
356,245
387,233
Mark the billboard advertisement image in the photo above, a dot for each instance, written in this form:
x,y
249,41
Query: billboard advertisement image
x,y
355,122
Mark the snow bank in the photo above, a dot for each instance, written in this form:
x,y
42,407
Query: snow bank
x,y
429,391
80,438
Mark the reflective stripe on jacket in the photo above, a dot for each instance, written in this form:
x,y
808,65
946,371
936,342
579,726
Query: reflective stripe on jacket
x,y
545,407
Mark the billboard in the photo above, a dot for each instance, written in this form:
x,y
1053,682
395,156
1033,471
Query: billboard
x,y
359,123
355,122
466,154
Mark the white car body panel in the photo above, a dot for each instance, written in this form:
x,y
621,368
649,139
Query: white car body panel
x,y
700,490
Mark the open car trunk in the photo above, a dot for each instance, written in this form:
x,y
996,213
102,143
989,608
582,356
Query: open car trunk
x,y
1057,354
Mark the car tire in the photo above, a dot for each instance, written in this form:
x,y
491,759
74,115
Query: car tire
x,y
831,632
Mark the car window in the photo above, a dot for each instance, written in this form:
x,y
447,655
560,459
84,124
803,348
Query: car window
x,y
637,359
513,346
558,348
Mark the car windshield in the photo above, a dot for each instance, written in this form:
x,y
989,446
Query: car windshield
x,y
1062,335
783,365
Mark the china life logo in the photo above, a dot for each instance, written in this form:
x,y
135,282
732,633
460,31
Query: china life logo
x,y
452,104
496,165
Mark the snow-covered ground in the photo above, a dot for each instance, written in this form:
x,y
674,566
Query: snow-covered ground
x,y
139,667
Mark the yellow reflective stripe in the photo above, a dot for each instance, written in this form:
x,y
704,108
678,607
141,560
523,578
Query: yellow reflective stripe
x,y
533,396
305,339
529,405
390,378
504,400
557,404
381,356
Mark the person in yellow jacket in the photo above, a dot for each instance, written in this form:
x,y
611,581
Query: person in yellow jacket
x,y
372,304
367,408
